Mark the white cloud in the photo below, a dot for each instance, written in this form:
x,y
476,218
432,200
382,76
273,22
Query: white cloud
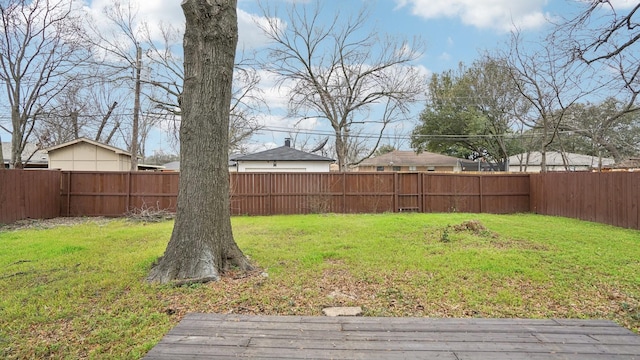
x,y
169,12
502,15
423,71
307,124
274,95
623,4
250,36
152,12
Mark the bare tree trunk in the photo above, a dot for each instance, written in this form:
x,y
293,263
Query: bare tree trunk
x,y
16,139
543,150
103,123
136,112
112,133
74,123
202,245
1,155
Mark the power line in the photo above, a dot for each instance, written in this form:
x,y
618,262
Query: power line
x,y
409,136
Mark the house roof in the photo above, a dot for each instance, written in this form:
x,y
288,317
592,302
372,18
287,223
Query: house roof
x,y
85,140
174,165
632,163
39,156
410,158
282,153
554,158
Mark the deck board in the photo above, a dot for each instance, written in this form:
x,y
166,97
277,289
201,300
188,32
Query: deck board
x,y
215,336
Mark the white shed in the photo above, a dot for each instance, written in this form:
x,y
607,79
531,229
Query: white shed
x,y
88,155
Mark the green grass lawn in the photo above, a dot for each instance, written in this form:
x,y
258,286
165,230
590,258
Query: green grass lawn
x,y
79,291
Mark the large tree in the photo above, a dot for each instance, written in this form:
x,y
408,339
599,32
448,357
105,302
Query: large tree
x,y
549,85
202,247
471,113
344,73
40,52
606,37
606,128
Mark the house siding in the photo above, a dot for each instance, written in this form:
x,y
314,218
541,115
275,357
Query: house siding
x,y
422,168
283,166
88,157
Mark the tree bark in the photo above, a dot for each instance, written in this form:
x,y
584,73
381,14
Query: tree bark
x,y
1,155
136,112
202,247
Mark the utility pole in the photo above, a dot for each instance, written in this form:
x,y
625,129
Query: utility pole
x,y
136,111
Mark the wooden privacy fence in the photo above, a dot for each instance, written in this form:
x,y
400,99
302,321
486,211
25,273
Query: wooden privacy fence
x,y
90,193
300,193
610,198
29,194
115,193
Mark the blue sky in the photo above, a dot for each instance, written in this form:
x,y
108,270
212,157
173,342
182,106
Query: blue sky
x,y
454,31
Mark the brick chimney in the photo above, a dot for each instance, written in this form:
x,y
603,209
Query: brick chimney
x,y
287,142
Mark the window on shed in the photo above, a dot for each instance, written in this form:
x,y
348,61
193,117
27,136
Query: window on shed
x,y
379,168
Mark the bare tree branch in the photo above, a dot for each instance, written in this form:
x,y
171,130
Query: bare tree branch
x,y
40,48
341,72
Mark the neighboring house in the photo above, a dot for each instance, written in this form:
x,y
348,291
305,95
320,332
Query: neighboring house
x,y
398,160
556,161
631,164
35,158
175,165
282,159
171,166
88,155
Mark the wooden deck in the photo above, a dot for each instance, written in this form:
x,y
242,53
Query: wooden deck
x,y
212,336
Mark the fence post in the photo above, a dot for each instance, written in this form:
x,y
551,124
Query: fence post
x,y
269,197
128,199
344,192
68,193
395,192
420,192
480,191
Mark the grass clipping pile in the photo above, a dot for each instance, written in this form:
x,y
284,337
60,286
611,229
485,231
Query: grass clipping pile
x,y
475,227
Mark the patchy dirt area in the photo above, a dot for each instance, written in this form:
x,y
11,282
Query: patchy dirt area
x,y
40,224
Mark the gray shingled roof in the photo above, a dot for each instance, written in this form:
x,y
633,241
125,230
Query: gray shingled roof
x,y
282,153
39,156
554,158
410,158
631,163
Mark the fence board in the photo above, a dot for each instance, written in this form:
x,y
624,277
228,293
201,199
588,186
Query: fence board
x,y
609,198
26,194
